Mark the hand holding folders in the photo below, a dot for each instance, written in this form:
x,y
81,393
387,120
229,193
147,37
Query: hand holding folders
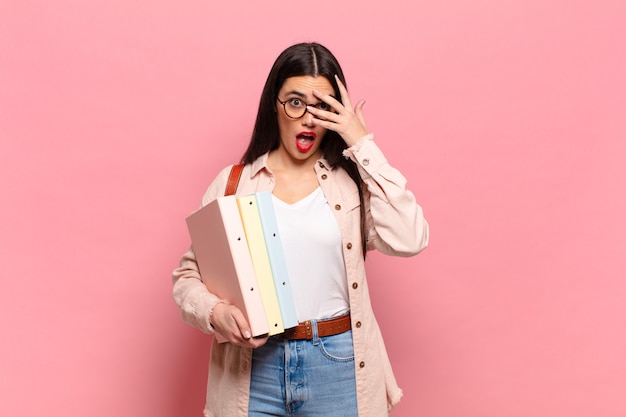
x,y
240,257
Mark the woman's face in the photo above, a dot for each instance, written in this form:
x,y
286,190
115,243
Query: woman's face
x,y
299,138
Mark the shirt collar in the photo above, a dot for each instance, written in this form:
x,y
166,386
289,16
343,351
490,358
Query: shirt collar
x,y
259,164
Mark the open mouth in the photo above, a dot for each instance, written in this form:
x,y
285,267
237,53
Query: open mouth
x,y
304,141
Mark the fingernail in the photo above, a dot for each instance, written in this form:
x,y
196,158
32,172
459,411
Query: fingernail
x,y
246,334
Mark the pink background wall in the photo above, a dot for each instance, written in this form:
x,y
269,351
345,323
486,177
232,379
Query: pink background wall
x,y
507,117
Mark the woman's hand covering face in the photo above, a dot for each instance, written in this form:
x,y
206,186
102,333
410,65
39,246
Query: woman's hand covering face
x,y
349,122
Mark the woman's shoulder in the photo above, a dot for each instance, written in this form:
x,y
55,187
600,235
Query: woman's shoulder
x,y
218,185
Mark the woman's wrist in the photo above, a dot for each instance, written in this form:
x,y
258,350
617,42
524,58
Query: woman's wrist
x,y
351,150
217,303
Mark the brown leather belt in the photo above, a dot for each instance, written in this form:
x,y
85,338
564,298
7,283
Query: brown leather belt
x,y
330,327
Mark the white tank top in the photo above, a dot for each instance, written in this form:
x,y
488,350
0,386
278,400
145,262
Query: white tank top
x,y
312,245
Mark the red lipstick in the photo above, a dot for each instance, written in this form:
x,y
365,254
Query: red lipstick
x,y
305,140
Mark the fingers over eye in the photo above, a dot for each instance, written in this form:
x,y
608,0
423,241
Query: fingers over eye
x,y
322,114
328,99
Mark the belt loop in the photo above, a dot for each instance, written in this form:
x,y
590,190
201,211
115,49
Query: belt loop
x,y
316,338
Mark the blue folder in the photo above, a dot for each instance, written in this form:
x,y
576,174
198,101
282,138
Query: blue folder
x,y
277,258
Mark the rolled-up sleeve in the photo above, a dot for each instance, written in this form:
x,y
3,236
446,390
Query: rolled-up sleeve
x,y
191,295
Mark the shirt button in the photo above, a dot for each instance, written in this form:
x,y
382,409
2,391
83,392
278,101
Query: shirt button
x,y
362,364
324,176
358,324
366,162
321,164
337,207
349,245
355,285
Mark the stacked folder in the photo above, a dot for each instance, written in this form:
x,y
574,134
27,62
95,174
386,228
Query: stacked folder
x,y
240,256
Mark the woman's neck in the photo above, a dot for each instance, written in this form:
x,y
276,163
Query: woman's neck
x,y
279,160
294,179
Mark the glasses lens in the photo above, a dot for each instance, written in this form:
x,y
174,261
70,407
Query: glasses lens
x,y
295,108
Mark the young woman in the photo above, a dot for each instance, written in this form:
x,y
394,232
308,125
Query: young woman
x,y
336,197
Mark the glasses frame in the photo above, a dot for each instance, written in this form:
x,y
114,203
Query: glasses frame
x,y
284,103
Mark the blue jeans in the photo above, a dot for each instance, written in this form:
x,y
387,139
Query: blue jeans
x,y
304,378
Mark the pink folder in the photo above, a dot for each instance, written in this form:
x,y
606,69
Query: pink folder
x,y
219,242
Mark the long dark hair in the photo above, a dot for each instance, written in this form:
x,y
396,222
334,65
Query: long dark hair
x,y
302,59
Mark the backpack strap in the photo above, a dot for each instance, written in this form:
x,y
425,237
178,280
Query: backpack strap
x,y
233,179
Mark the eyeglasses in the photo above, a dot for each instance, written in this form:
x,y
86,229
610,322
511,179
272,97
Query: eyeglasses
x,y
295,108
